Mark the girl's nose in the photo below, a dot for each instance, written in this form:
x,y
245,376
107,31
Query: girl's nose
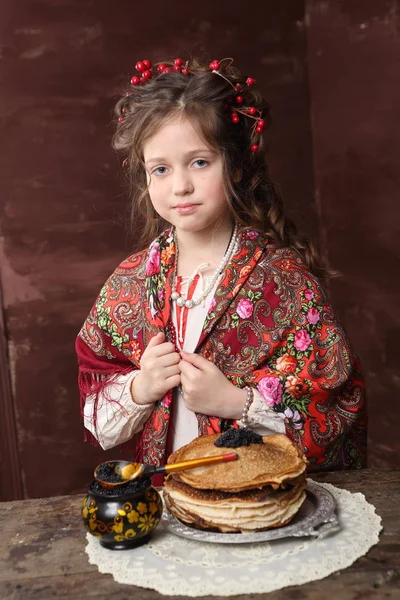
x,y
182,184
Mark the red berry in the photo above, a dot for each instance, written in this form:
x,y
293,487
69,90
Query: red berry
x,y
161,67
147,64
176,68
254,148
214,65
261,123
166,70
185,71
146,74
250,81
239,99
124,110
235,118
140,67
259,129
178,62
120,119
135,80
238,87
252,110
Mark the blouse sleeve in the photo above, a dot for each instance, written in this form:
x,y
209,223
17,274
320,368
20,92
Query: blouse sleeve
x,y
262,419
114,417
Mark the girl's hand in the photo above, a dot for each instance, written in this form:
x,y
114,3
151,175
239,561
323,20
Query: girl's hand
x,y
206,390
159,371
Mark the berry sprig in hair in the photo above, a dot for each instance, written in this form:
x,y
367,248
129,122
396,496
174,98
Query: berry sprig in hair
x,y
144,67
146,72
247,111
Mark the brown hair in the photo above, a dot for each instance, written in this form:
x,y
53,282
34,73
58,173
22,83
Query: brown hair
x,y
205,98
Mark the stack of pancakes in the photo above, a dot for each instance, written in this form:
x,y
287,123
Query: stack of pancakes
x,y
264,488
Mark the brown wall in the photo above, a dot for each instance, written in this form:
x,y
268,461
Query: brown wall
x,y
61,203
354,68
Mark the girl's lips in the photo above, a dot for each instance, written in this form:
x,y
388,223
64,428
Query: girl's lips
x,y
185,209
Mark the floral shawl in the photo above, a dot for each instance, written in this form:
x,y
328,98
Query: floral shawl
x,y
270,326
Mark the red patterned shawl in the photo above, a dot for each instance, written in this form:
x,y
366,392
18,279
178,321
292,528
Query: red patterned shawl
x,y
270,325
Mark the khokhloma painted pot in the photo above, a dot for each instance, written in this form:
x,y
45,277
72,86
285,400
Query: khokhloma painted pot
x,y
122,518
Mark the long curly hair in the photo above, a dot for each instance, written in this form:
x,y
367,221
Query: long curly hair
x,y
206,100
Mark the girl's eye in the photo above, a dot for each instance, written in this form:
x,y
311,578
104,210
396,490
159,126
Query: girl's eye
x,y
159,171
200,164
203,162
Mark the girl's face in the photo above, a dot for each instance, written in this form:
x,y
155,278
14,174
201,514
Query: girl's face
x,y
185,178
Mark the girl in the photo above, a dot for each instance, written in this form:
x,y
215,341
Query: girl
x,y
221,321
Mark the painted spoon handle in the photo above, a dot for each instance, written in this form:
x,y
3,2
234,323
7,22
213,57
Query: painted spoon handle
x,y
189,464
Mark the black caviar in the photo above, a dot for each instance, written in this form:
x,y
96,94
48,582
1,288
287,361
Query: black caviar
x,y
132,487
106,472
234,438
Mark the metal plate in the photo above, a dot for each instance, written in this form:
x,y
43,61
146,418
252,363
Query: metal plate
x,y
316,517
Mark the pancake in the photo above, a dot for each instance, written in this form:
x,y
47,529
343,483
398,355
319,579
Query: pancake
x,y
263,489
251,510
274,461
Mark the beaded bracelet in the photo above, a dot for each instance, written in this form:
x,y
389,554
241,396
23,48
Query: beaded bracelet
x,y
249,400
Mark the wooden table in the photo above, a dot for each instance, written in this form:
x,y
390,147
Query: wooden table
x,y
42,551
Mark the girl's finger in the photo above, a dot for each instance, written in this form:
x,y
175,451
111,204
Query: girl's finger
x,y
195,359
156,340
163,349
167,360
187,369
173,381
170,371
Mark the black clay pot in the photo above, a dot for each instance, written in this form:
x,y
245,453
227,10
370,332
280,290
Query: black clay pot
x,y
124,519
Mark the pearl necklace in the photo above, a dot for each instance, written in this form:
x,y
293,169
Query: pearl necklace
x,y
231,250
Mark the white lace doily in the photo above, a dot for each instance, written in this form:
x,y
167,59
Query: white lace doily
x,y
176,566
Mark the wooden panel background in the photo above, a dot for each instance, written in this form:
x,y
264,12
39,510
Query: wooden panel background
x,y
354,66
328,70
